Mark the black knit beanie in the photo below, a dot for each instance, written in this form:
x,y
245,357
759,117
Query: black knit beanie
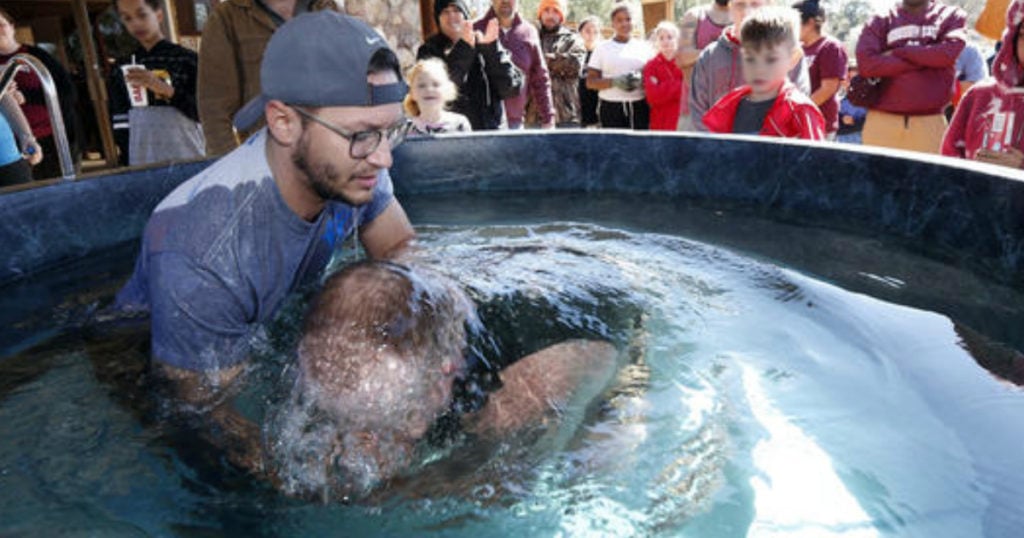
x,y
439,6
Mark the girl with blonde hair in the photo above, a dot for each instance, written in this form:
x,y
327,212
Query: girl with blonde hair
x,y
430,90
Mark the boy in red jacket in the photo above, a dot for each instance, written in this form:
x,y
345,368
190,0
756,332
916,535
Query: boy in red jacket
x,y
769,104
988,124
663,79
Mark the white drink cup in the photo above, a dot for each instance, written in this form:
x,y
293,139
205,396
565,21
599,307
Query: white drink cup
x,y
136,94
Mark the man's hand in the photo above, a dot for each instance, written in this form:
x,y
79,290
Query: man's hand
x,y
33,152
148,79
467,34
490,35
15,93
628,82
1012,157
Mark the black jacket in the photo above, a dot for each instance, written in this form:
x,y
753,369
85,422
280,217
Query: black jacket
x,y
484,75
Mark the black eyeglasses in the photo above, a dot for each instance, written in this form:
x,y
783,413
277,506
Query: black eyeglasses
x,y
364,143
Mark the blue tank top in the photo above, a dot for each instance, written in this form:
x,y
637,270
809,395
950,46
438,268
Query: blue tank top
x,y
8,146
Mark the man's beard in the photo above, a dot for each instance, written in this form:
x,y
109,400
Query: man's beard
x,y
322,177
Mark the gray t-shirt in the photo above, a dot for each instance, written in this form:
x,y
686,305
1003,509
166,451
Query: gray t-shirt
x,y
222,251
750,116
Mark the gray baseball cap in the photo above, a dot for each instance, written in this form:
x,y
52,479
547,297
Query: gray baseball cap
x,y
320,59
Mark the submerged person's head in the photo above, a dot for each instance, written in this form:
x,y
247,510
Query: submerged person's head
x,y
381,347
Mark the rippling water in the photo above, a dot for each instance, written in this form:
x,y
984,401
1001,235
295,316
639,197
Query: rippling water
x,y
763,402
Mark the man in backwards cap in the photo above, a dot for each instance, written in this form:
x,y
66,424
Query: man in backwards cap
x,y
222,251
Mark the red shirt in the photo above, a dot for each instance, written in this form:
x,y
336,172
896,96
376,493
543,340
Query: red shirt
x,y
663,86
793,115
826,58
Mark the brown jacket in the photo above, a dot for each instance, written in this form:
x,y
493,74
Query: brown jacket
x,y
229,68
229,65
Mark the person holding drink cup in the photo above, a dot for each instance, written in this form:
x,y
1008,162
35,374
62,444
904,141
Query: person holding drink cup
x,y
153,92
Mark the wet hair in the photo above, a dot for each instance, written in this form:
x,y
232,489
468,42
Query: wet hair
x,y
439,70
371,360
383,305
153,4
811,10
592,19
768,27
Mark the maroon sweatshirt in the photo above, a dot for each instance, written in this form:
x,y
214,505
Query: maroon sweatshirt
x,y
914,54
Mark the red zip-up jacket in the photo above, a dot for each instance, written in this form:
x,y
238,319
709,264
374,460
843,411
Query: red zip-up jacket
x,y
793,115
663,88
914,55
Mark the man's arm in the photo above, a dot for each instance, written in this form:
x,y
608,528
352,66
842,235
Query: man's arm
x,y
701,87
540,85
944,52
872,58
831,62
535,388
387,234
201,329
686,56
219,88
828,88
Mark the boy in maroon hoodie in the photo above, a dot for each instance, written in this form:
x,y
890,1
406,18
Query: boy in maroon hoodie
x,y
769,104
912,48
988,125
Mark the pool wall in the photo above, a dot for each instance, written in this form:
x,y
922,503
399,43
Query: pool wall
x,y
962,213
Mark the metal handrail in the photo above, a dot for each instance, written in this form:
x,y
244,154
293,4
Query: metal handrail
x,y
60,135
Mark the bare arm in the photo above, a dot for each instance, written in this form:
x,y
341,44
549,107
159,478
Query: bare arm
x,y
388,234
688,52
537,386
20,127
828,88
208,396
596,82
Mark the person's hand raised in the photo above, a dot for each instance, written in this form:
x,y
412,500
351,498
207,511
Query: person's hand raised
x,y
467,33
490,35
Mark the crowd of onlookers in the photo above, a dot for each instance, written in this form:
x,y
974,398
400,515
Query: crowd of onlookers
x,y
739,66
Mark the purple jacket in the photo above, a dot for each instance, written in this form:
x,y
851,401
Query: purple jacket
x,y
523,42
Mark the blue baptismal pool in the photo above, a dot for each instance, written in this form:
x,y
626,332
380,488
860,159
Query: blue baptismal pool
x,y
804,368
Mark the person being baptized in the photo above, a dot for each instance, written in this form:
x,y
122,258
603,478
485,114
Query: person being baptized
x,y
384,366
